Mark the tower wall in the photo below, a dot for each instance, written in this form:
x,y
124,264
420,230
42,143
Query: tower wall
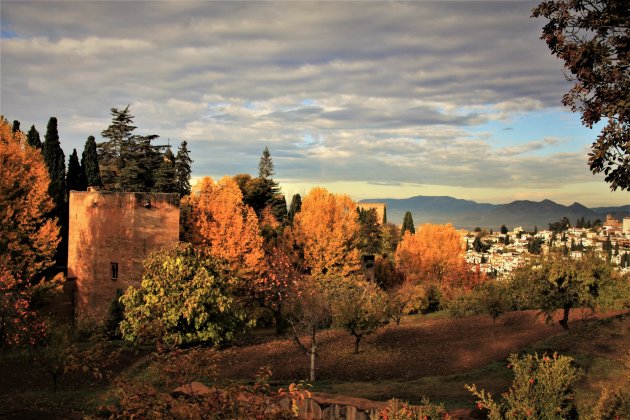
x,y
110,235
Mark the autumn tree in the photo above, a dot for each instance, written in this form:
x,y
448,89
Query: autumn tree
x,y
221,222
28,239
593,40
405,299
89,163
326,228
407,225
309,312
434,254
184,298
359,307
19,324
182,169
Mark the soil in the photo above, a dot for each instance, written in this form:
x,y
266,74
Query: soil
x,y
414,349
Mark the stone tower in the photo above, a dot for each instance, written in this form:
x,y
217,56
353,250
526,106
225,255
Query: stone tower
x,y
110,235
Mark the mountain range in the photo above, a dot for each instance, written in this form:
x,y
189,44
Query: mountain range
x,y
467,214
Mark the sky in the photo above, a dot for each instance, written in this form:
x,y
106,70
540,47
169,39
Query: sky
x,y
373,99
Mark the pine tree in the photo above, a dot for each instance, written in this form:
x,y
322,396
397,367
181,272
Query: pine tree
x,y
75,178
407,224
110,152
182,169
89,163
33,138
55,162
165,180
279,208
265,166
294,208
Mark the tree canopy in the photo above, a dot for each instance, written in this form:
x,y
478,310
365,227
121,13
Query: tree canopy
x,y
593,40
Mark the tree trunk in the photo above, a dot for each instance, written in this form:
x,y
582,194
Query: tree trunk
x,y
280,321
565,317
357,340
313,353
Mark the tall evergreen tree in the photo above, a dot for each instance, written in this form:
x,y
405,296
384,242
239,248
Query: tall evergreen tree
x,y
265,166
279,208
75,178
182,169
504,229
294,207
89,163
33,138
16,126
165,180
370,238
56,164
407,224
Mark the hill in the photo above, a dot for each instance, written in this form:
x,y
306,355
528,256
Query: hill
x,y
467,214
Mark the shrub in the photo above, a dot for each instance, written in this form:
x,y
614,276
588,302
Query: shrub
x,y
542,388
401,410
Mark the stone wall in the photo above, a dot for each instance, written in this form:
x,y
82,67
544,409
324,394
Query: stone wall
x,y
110,235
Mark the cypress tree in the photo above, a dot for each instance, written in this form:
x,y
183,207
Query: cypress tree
x,y
16,126
33,138
75,178
279,208
56,164
182,169
165,180
407,224
89,163
294,208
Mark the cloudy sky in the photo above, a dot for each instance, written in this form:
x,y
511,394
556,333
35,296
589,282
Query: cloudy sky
x,y
375,99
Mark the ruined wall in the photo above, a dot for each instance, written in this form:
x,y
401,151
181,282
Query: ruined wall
x,y
107,228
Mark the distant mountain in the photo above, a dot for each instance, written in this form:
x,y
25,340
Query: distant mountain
x,y
467,214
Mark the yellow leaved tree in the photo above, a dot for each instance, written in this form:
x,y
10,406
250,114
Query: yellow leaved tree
x,y
220,221
326,228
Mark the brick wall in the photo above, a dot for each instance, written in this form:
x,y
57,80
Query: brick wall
x,y
107,228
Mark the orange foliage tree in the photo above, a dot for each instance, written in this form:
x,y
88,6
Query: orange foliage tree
x,y
219,220
326,228
434,254
28,239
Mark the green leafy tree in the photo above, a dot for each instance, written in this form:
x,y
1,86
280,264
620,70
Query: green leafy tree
x,y
542,389
559,282
185,298
165,177
182,169
33,138
359,307
560,226
294,208
593,39
407,225
370,240
75,178
89,163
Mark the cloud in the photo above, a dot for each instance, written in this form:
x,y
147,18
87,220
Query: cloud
x,y
387,93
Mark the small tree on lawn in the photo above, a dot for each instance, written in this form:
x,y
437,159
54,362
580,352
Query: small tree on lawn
x,y
405,299
309,312
359,307
493,300
561,282
185,298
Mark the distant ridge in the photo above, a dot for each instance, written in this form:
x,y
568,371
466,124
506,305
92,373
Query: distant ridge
x,y
467,214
